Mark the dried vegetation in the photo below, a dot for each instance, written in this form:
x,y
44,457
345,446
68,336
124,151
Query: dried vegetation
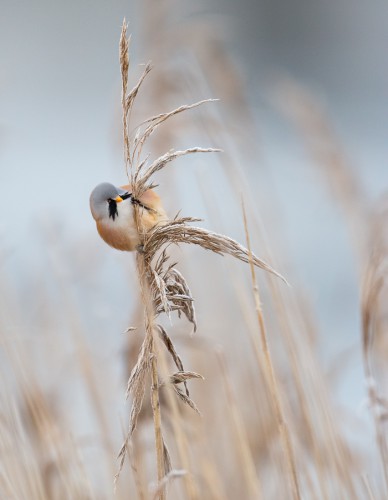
x,y
264,423
164,288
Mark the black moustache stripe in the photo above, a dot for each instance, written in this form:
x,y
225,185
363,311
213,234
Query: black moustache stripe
x,y
113,212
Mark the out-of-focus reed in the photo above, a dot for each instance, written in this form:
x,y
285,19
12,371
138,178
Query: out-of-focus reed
x,y
61,396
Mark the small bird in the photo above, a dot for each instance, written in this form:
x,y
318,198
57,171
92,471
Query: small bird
x,y
113,210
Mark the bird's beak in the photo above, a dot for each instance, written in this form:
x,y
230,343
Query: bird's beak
x,y
118,199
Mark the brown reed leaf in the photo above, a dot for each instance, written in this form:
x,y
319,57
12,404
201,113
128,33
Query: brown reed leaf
x,y
130,329
186,399
172,474
170,290
183,299
167,458
159,292
171,349
179,377
141,367
136,388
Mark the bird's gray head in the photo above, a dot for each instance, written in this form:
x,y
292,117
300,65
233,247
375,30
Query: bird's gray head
x,y
104,199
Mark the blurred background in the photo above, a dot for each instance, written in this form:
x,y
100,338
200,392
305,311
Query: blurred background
x,y
302,121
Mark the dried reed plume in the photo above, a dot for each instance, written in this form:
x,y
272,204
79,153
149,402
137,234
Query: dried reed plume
x,y
163,288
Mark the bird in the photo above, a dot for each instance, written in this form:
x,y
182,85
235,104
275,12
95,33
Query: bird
x,y
113,210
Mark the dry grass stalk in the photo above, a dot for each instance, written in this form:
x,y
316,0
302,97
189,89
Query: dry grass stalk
x,y
372,290
22,482
37,462
331,456
368,488
163,288
270,373
147,361
136,465
251,479
330,452
176,420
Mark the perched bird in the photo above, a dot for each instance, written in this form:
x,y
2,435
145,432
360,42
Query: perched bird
x,y
113,210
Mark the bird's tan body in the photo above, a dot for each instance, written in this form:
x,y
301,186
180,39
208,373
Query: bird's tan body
x,y
122,232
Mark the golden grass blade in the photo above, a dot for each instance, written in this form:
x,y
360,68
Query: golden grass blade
x,y
272,381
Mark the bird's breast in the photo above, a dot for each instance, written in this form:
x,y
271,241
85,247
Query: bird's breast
x,y
120,232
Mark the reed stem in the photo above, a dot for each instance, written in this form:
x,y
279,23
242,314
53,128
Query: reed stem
x,y
150,331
